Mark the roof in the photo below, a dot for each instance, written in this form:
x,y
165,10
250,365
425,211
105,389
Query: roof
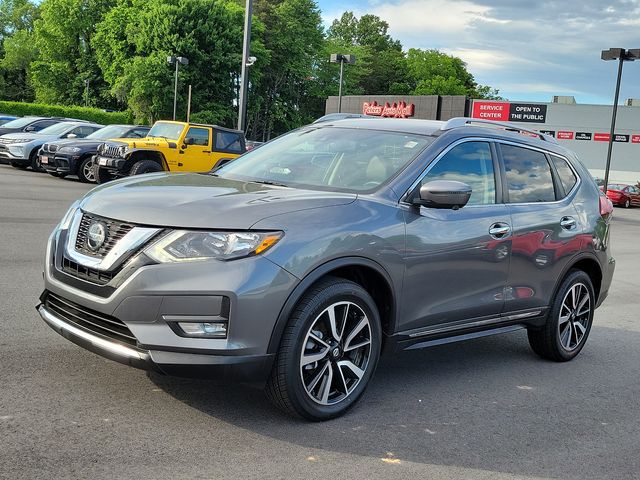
x,y
406,125
218,127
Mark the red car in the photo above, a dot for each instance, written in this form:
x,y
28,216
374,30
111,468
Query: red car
x,y
623,195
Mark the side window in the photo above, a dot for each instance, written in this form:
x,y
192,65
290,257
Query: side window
x,y
37,126
470,163
197,136
228,141
529,177
567,177
83,131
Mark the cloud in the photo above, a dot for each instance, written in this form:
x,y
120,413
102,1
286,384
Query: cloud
x,y
522,48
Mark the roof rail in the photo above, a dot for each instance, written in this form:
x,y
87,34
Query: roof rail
x,y
464,121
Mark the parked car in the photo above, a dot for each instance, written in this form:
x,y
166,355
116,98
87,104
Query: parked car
x,y
623,195
21,149
251,144
32,124
293,266
169,146
75,156
4,118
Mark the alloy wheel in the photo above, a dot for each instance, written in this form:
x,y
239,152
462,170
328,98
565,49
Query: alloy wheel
x,y
335,353
575,315
87,171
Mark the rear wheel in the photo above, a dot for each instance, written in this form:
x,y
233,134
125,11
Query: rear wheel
x,y
86,170
145,166
627,203
569,320
328,353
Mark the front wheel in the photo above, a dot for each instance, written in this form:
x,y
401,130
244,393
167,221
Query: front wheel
x,y
328,353
627,203
101,175
569,321
145,166
34,160
86,170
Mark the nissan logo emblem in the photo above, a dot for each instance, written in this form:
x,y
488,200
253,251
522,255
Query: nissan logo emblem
x,y
96,236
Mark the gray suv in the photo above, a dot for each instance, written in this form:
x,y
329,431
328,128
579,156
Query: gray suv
x,y
296,265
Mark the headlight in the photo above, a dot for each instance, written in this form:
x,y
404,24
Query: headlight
x,y
65,223
69,150
188,246
123,150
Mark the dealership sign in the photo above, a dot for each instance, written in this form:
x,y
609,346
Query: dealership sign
x,y
510,112
395,109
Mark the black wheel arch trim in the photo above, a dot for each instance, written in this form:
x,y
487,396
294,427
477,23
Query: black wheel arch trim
x,y
315,275
571,264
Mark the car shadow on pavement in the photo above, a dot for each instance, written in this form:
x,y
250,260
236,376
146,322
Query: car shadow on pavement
x,y
488,404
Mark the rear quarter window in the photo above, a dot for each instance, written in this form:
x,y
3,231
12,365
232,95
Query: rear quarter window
x,y
567,177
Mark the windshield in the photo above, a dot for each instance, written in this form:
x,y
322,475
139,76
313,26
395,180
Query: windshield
x,y
56,129
112,131
166,130
19,122
328,158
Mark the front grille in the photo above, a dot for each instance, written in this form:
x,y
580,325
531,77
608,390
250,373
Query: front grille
x,y
111,151
86,273
88,319
115,231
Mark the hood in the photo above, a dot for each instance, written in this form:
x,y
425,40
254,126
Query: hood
x,y
77,142
141,142
201,201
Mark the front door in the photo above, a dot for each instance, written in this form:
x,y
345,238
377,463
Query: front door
x,y
457,261
197,154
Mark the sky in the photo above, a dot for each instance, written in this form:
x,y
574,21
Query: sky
x,y
529,50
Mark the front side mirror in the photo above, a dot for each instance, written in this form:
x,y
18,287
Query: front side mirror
x,y
443,194
30,128
72,135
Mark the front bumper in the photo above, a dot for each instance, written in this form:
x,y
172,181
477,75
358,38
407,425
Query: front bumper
x,y
7,157
151,298
253,369
112,164
57,163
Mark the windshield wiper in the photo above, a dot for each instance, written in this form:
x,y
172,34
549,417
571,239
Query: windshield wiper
x,y
270,182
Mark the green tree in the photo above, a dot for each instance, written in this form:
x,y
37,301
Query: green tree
x,y
17,49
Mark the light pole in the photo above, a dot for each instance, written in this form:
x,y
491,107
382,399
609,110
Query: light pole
x,y
342,59
177,60
247,62
622,56
86,93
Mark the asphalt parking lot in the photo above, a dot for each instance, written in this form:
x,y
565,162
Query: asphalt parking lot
x,y
485,409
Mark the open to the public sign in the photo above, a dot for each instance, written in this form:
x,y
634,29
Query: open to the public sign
x,y
394,110
510,112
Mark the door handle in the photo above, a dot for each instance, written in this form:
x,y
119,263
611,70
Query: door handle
x,y
499,230
568,223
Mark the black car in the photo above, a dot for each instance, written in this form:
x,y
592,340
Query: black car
x,y
32,124
75,157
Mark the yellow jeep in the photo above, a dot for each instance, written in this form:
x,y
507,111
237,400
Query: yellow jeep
x,y
169,146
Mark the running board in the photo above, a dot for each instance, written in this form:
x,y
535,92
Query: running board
x,y
466,336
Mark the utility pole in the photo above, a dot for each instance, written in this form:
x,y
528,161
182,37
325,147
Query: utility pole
x,y
246,63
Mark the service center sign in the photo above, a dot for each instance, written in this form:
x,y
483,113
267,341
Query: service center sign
x,y
509,112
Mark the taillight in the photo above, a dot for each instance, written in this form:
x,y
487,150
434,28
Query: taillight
x,y
606,207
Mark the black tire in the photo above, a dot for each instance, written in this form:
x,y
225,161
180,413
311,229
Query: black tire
x,y
101,175
34,160
145,166
21,166
627,203
285,387
86,170
549,341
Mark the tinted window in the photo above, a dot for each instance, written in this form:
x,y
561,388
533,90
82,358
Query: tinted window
x,y
567,177
470,163
139,133
43,124
228,141
529,176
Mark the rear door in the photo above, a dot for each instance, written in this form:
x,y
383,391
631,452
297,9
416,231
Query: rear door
x,y
634,194
228,144
457,261
546,233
